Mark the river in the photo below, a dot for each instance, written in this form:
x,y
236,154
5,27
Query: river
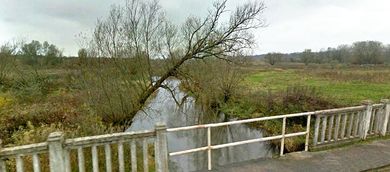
x,y
163,108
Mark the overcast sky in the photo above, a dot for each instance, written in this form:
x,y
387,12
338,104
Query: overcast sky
x,y
293,25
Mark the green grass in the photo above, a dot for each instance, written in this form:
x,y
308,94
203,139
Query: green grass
x,y
345,92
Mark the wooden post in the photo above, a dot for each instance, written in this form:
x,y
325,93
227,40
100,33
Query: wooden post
x,y
56,152
366,119
161,148
386,114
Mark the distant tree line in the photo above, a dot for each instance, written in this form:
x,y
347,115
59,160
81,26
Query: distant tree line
x,y
34,53
360,53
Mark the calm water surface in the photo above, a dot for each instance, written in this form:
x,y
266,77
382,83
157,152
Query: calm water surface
x,y
164,109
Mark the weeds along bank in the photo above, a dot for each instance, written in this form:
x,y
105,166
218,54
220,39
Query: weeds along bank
x,y
78,96
36,102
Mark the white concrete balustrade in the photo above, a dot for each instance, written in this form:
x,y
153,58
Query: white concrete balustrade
x,y
330,126
58,151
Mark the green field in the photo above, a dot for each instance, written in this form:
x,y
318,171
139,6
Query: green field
x,y
293,89
339,87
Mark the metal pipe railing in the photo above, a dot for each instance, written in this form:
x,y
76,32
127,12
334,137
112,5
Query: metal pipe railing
x,y
210,147
321,114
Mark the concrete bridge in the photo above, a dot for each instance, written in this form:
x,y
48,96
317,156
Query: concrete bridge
x,y
330,127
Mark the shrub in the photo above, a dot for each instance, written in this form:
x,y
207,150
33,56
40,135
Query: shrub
x,y
113,88
212,82
32,87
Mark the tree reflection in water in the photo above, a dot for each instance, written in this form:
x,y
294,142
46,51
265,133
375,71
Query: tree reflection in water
x,y
163,108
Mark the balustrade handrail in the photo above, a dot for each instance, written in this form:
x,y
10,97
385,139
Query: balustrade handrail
x,y
76,142
107,138
24,149
379,105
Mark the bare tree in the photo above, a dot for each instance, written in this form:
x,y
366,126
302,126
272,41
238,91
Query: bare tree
x,y
368,52
140,31
342,54
7,60
307,56
273,58
387,54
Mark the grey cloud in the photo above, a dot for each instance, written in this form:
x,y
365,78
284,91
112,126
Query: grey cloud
x,y
299,24
293,25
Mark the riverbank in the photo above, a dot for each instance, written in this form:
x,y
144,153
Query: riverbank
x,y
269,91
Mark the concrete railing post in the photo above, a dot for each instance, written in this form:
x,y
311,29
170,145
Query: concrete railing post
x,y
366,119
386,111
161,148
56,152
2,163
316,129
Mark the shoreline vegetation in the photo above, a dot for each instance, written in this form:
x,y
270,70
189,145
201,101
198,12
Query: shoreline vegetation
x,y
35,102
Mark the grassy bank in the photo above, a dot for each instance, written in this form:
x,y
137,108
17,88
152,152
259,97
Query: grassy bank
x,y
284,90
